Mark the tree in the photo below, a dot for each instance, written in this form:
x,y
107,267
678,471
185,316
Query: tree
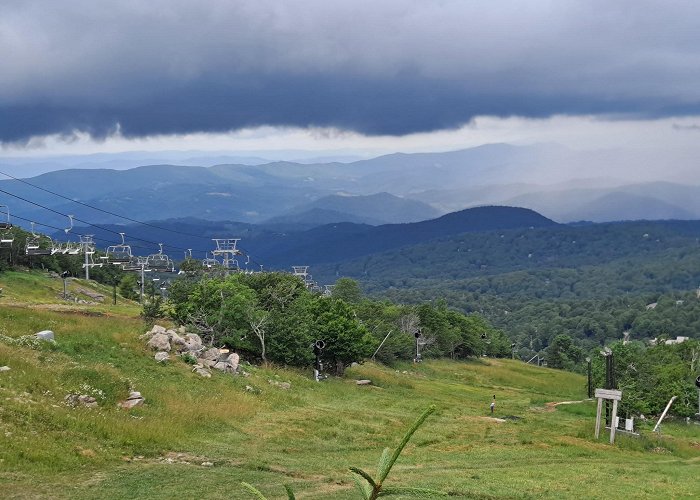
x,y
563,353
347,289
347,340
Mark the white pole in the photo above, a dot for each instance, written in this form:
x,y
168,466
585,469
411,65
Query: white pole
x,y
380,345
664,413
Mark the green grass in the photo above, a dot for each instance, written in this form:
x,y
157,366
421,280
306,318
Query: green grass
x,y
307,436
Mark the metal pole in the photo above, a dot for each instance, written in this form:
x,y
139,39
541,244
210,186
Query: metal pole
x,y
87,266
664,413
142,281
380,345
590,380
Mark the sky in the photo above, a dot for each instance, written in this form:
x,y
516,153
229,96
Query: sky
x,y
355,76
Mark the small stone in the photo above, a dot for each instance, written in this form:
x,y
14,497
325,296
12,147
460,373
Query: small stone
x,y
45,335
363,382
4,368
201,371
207,464
135,395
162,357
224,367
131,403
249,388
182,330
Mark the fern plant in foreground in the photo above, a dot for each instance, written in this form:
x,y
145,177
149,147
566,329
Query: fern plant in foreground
x,y
372,488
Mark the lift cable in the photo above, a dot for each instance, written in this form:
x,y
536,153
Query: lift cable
x,y
102,210
108,212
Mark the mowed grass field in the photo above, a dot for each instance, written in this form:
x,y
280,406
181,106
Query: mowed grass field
x,y
248,429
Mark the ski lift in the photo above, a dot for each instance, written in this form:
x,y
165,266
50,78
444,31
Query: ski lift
x,y
209,262
70,247
33,245
160,262
119,254
7,237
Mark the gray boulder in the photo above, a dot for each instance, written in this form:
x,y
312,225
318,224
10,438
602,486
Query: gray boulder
x,y
193,342
211,354
233,359
201,371
162,356
157,329
175,339
45,335
159,342
4,368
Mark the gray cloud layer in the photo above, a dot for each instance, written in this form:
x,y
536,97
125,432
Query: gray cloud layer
x,y
390,67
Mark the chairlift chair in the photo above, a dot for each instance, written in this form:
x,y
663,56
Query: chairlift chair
x,y
120,253
209,262
160,262
33,247
6,235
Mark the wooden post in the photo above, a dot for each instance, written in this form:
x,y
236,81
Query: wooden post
x,y
597,418
607,394
613,427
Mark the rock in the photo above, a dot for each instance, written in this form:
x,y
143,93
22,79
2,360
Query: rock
x,y
45,335
211,354
207,464
363,382
233,359
206,362
157,329
4,368
159,342
223,366
162,356
193,342
281,385
249,388
88,401
201,371
181,330
176,340
80,399
134,399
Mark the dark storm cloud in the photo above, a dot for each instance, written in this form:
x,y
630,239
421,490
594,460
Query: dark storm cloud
x,y
390,67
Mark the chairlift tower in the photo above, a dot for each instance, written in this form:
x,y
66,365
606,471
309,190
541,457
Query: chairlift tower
x,y
88,248
226,248
301,271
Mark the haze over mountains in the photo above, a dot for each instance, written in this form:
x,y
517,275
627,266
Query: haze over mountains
x,y
562,184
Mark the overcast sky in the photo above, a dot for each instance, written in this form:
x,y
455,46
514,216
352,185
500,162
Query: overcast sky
x,y
87,76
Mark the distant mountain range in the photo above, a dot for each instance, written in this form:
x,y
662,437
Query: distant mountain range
x,y
328,243
396,188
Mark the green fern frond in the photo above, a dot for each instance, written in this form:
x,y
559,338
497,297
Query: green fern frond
x,y
364,488
405,440
383,465
254,491
290,493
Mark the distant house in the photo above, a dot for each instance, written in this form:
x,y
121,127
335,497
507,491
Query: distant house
x,y
677,340
651,306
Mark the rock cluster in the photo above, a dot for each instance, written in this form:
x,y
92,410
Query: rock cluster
x,y
166,341
80,400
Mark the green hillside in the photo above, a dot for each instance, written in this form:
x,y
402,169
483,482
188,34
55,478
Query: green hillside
x,y
199,438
